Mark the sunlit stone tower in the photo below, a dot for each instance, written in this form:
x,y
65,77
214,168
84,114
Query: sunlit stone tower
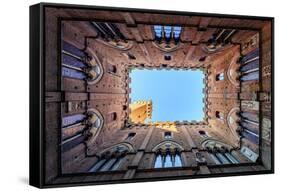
x,y
140,111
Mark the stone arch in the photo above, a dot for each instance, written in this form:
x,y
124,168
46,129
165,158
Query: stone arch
x,y
232,73
94,123
118,149
120,45
167,48
232,119
95,70
212,144
168,144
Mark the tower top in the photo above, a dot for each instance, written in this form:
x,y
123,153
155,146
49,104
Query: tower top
x,y
140,111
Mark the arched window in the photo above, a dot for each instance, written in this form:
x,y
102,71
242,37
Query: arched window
x,y
250,66
167,33
167,155
250,76
219,152
78,64
219,39
111,158
80,128
110,35
94,122
220,77
167,159
73,61
219,115
249,124
249,116
72,119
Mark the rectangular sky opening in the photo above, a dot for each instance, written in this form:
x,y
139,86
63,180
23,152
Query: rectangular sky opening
x,y
176,95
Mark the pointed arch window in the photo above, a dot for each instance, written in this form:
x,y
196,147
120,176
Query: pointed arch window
x,y
250,66
79,128
167,160
168,154
250,76
167,33
219,152
78,64
111,159
108,31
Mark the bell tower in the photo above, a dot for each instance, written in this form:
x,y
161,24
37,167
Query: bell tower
x,y
140,111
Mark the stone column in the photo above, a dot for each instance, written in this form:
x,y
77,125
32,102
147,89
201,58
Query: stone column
x,y
138,156
200,160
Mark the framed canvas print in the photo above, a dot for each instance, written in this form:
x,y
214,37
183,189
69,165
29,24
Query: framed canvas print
x,y
126,95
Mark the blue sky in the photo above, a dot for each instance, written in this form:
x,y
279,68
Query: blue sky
x,y
175,94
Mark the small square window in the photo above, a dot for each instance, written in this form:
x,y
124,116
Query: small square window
x,y
167,135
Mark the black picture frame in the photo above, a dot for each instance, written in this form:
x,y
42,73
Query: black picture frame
x,y
38,97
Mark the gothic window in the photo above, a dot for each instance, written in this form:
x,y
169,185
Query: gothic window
x,y
250,127
167,135
250,66
177,32
203,134
110,35
73,61
72,119
167,155
250,76
130,136
167,33
71,142
219,115
104,164
158,32
158,161
250,135
220,77
78,64
220,38
251,56
79,128
108,31
167,159
112,158
219,152
249,116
